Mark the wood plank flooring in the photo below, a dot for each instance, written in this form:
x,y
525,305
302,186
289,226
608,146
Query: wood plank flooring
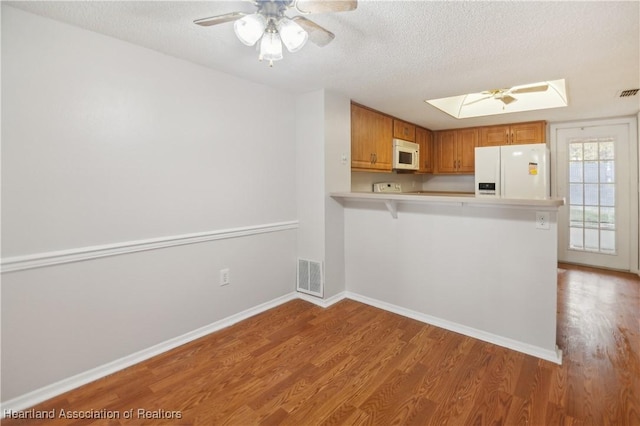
x,y
352,364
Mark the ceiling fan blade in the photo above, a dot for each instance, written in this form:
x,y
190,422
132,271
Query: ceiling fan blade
x,y
506,99
317,34
478,100
320,6
530,89
220,19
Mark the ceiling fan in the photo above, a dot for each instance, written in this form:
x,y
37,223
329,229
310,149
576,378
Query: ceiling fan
x,y
504,95
272,27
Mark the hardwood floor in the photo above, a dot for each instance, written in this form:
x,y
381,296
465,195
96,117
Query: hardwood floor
x,y
354,364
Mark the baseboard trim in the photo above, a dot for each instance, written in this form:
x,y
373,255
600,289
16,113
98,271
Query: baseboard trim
x,y
51,258
323,303
554,356
47,392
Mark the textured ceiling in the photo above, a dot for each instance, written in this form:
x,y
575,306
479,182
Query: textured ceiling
x,y
391,55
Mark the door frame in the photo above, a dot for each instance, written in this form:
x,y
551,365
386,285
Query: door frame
x,y
634,178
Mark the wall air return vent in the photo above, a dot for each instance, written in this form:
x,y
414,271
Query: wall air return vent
x,y
310,277
628,92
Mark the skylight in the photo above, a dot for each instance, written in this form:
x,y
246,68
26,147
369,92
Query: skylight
x,y
525,97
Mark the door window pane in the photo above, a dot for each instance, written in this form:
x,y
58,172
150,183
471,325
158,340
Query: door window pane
x,y
591,171
591,219
606,150
575,171
591,194
607,195
575,152
576,215
591,240
607,218
607,171
590,150
575,194
575,238
608,241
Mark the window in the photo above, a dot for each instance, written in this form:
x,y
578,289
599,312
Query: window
x,y
592,186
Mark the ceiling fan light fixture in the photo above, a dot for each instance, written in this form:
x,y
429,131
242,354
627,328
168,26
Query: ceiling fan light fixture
x,y
250,28
293,35
270,47
272,27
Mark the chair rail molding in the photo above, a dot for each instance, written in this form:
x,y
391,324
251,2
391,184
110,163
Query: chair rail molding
x,y
51,258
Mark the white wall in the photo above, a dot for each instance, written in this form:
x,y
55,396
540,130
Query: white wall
x,y
337,159
310,134
482,271
324,136
105,142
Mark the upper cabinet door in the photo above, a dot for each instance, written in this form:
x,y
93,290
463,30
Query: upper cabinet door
x,y
494,135
455,151
404,130
446,160
534,132
467,141
371,139
424,138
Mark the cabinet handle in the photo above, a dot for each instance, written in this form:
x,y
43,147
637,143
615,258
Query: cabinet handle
x,y
375,158
511,137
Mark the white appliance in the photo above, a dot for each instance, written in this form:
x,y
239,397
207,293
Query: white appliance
x,y
406,155
513,171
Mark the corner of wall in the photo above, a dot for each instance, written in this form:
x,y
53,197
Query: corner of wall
x,y
337,179
323,144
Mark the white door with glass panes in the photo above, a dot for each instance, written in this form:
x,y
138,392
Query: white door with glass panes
x,y
593,175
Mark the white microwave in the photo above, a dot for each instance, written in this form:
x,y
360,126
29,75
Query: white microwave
x,y
406,155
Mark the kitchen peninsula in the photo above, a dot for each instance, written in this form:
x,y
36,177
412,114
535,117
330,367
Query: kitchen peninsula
x,y
483,267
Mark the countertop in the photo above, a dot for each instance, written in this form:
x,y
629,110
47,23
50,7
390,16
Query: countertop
x,y
459,198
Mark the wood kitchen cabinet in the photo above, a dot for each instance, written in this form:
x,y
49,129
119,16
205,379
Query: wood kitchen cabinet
x,y
455,151
424,138
404,130
514,134
371,139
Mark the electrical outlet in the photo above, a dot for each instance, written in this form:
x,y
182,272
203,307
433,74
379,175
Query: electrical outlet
x,y
542,220
225,278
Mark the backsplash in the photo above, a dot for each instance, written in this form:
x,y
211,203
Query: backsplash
x,y
363,181
454,183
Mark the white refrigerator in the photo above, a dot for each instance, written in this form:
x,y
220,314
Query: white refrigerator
x,y
513,171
